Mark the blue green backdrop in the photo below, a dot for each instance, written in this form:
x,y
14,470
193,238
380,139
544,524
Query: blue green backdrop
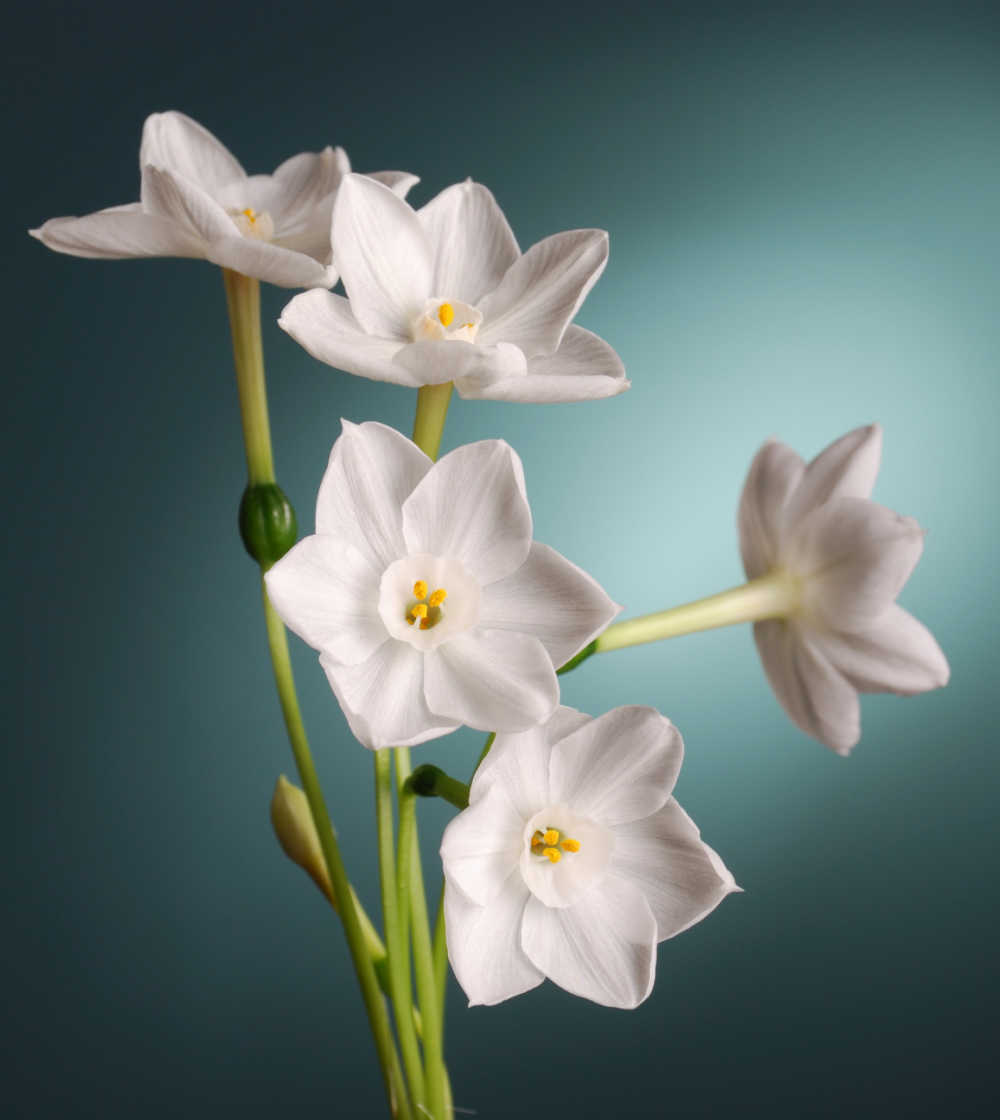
x,y
805,222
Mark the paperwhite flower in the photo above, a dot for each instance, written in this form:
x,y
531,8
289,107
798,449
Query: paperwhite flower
x,y
197,201
425,595
572,860
444,294
848,559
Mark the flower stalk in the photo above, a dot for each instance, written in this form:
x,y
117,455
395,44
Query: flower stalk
x,y
243,301
431,781
432,410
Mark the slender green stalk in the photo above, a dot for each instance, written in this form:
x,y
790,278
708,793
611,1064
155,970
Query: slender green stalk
x,y
772,596
440,954
432,781
423,961
432,409
374,1004
243,300
395,931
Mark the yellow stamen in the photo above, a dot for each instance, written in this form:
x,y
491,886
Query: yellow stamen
x,y
437,597
419,611
552,854
251,214
446,313
410,621
420,590
569,845
424,624
551,836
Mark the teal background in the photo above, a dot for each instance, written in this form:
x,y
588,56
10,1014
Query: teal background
x,y
805,223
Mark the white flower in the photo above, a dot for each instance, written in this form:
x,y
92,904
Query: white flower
x,y
197,201
848,559
444,294
425,595
572,860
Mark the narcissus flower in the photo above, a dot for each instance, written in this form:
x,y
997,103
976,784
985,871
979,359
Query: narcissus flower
x,y
197,201
422,589
572,860
846,559
444,294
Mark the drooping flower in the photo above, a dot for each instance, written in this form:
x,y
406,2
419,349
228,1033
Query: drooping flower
x,y
847,558
422,589
197,201
573,861
445,294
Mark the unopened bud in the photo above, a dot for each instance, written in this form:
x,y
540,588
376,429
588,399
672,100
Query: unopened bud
x,y
293,825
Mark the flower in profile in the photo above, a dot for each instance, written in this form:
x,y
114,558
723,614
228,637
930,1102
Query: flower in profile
x,y
422,589
573,861
846,559
445,294
197,201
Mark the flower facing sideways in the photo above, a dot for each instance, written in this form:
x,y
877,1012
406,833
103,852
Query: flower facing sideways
x,y
422,589
445,294
197,201
846,559
572,860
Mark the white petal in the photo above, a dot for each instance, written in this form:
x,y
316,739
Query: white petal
x,y
117,234
399,182
846,469
470,366
618,767
484,944
774,474
519,763
325,325
383,698
898,654
269,262
482,845
492,680
305,184
551,598
853,557
327,593
187,204
472,243
663,855
472,505
175,142
602,948
372,471
541,292
813,693
583,368
383,257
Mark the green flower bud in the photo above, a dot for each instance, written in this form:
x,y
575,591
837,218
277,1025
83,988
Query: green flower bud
x,y
267,523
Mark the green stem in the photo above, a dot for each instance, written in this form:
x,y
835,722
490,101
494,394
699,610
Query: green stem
x,y
378,1017
243,300
410,873
431,781
440,953
432,409
772,596
395,930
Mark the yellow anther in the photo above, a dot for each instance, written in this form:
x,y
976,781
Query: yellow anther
x,y
550,836
420,590
446,313
437,597
424,624
569,845
467,324
411,621
251,214
552,854
419,611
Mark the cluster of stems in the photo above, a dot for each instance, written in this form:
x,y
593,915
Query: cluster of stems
x,y
409,1039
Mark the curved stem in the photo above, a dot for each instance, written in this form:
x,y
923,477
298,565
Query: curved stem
x,y
395,930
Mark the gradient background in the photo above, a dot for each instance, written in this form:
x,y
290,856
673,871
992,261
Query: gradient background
x,y
805,224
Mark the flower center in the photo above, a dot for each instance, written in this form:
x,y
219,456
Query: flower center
x,y
550,844
253,223
447,321
426,607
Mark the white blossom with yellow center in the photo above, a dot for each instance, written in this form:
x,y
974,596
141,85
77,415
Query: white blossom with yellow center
x,y
419,282
197,201
428,600
572,860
